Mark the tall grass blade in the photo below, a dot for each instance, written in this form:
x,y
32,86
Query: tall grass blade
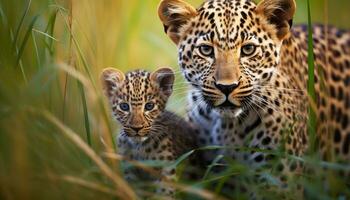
x,y
70,61
2,16
122,188
214,179
80,86
86,114
311,83
20,62
88,184
83,59
182,158
21,23
221,183
36,50
24,42
87,69
45,34
210,167
50,29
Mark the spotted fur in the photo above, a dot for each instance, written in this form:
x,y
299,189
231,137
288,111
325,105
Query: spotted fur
x,y
148,132
248,74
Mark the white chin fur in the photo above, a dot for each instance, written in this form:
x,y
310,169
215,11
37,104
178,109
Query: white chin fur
x,y
238,112
229,112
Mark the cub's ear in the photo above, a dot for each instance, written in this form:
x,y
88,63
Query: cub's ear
x,y
111,78
164,78
174,14
279,13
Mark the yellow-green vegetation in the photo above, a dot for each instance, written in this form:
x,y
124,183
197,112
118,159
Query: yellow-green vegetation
x,y
57,138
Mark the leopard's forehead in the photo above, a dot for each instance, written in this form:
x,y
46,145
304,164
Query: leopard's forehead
x,y
138,80
226,22
137,85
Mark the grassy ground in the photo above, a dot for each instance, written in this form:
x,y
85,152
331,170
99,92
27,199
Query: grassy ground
x,y
55,129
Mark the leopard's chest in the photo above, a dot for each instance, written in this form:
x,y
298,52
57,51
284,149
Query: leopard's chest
x,y
149,149
247,136
241,136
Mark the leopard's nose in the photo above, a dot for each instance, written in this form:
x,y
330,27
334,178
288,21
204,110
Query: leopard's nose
x,y
226,89
136,129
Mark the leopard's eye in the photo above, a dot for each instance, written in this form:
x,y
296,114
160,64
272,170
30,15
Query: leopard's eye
x,y
248,49
149,106
206,50
124,107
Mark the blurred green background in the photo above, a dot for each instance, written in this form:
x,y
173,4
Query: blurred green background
x,y
51,54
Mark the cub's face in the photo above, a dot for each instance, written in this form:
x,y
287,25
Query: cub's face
x,y
137,98
228,49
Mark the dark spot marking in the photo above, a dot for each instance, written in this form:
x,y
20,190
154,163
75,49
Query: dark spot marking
x,y
253,126
266,140
346,144
259,158
337,136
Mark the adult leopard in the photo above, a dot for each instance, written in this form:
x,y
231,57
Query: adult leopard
x,y
248,74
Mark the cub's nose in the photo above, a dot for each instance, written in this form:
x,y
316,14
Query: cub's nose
x,y
226,89
136,129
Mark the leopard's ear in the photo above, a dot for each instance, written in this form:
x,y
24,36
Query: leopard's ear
x,y
111,79
279,13
174,14
164,78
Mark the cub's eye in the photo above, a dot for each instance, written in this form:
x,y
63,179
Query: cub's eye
x,y
124,107
149,106
248,49
206,50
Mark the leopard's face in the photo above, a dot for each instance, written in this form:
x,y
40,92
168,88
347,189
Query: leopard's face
x,y
137,98
228,49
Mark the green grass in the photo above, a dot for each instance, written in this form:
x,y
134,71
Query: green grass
x,y
56,133
312,119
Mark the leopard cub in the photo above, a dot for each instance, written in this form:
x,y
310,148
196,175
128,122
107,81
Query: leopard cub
x,y
148,131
